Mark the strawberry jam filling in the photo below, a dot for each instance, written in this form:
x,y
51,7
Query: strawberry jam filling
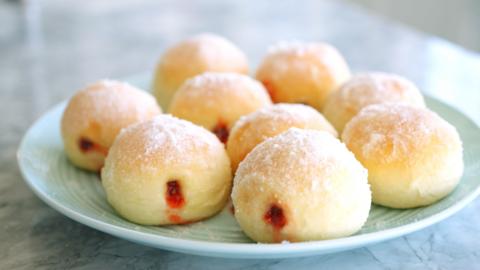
x,y
275,217
175,218
174,195
86,145
221,131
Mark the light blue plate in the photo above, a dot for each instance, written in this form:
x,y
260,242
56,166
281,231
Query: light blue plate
x,y
79,195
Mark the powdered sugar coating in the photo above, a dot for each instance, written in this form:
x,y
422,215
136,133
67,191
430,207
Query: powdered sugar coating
x,y
193,56
323,52
95,115
316,185
377,87
109,103
267,122
395,132
209,85
214,97
414,157
294,47
369,88
166,158
164,140
302,72
284,113
207,48
305,160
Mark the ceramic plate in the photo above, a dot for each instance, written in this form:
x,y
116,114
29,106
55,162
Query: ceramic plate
x,y
79,195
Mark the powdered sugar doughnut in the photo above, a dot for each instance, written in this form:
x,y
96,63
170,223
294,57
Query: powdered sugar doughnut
x,y
217,100
166,171
270,121
298,186
193,56
95,115
413,156
366,89
306,73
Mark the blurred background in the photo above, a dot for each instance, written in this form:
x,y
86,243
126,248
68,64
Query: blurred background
x,y
57,46
455,20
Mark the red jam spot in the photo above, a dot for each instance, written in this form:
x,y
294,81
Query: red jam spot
x,y
275,217
174,195
221,131
85,144
232,209
175,218
270,89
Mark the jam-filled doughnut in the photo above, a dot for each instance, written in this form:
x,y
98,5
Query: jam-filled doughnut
x,y
296,72
193,56
413,157
365,89
300,185
267,122
167,171
216,100
95,115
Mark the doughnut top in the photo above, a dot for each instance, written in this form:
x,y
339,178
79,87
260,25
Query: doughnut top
x,y
205,51
304,160
378,87
395,132
289,114
297,72
164,140
109,104
326,53
295,47
217,83
213,80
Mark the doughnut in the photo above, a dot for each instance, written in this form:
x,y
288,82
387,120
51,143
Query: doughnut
x,y
166,171
270,121
95,115
301,185
413,157
217,100
305,73
365,89
193,56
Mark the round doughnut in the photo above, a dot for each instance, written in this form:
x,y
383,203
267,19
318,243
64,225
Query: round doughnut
x,y
217,100
302,72
270,121
95,115
365,89
166,171
413,157
300,185
193,56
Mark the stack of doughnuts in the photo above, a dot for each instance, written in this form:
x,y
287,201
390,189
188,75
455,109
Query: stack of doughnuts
x,y
292,173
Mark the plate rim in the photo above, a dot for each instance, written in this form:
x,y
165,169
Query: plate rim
x,y
235,250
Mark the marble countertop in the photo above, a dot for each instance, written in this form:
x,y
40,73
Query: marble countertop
x,y
48,49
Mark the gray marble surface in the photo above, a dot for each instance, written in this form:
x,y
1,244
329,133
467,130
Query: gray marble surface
x,y
50,48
